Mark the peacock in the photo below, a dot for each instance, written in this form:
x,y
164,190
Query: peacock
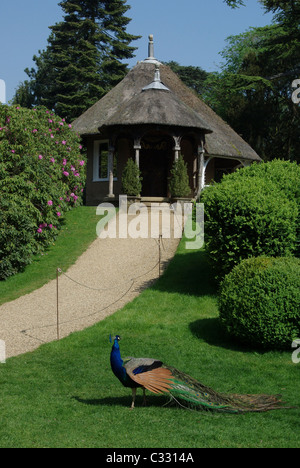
x,y
153,375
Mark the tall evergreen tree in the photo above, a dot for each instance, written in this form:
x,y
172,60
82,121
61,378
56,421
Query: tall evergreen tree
x,y
83,59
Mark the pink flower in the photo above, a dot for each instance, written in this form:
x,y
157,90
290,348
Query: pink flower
x,y
81,163
64,162
65,173
51,136
58,213
50,226
39,230
40,157
64,142
50,202
52,160
34,131
70,126
13,151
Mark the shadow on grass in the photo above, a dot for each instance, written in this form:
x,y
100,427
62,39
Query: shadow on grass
x,y
188,273
211,331
156,401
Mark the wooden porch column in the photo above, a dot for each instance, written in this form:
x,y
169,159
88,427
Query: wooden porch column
x,y
137,147
111,151
201,169
177,147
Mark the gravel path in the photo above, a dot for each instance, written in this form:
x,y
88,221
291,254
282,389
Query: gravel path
x,y
111,273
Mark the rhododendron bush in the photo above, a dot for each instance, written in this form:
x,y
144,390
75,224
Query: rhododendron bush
x,y
42,175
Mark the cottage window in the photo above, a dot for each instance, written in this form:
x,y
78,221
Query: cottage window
x,y
101,156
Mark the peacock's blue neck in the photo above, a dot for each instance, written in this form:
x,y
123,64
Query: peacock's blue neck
x,y
117,362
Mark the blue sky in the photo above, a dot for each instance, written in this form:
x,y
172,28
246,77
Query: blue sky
x,y
191,32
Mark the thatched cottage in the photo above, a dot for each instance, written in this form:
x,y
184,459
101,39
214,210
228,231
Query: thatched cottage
x,y
152,117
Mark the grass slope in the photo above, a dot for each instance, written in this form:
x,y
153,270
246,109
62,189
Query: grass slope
x,y
65,395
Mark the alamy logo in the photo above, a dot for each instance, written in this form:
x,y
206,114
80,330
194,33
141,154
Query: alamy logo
x,y
160,219
2,92
2,352
296,354
296,94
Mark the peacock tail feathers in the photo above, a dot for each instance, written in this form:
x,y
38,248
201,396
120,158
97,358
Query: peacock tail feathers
x,y
190,393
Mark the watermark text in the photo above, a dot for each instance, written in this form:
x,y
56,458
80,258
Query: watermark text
x,y
137,220
2,352
296,353
296,93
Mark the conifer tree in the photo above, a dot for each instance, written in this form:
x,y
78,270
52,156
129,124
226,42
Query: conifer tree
x,y
83,59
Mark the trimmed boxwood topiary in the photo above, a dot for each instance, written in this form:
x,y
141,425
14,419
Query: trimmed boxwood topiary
x,y
247,218
179,184
131,179
260,302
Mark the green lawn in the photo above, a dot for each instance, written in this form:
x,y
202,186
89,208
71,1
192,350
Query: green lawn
x,y
65,395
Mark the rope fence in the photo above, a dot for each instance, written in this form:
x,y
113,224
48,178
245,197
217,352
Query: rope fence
x,y
130,282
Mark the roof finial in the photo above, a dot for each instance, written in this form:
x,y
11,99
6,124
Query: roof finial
x,y
151,58
151,48
156,84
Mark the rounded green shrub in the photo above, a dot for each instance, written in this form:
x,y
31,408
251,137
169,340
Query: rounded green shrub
x,y
259,302
248,214
285,175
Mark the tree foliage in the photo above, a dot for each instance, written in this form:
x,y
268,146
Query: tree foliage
x,y
253,92
83,60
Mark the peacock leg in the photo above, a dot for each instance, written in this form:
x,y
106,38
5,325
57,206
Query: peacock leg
x,y
133,397
145,401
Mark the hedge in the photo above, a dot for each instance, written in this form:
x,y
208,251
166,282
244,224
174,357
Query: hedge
x,y
260,302
251,213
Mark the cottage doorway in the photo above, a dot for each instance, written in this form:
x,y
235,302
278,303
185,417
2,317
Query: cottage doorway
x,y
155,165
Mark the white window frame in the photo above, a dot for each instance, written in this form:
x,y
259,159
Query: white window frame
x,y
96,177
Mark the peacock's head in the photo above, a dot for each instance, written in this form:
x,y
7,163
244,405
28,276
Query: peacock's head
x,y
112,339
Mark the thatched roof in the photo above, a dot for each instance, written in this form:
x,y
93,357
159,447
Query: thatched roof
x,y
127,104
157,107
